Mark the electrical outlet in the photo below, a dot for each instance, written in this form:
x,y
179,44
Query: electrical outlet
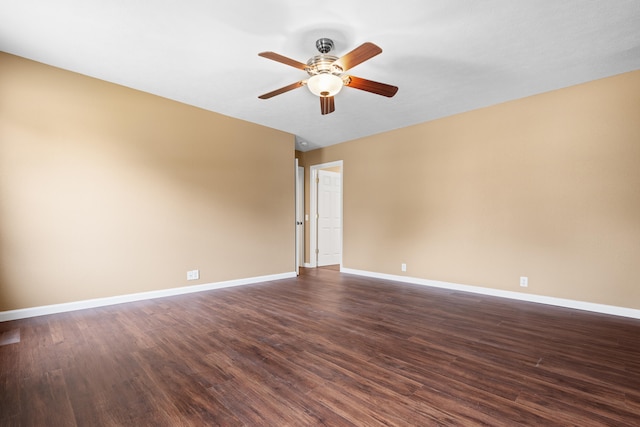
x,y
193,274
403,267
524,281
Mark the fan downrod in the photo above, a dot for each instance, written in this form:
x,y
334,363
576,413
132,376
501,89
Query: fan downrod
x,y
324,45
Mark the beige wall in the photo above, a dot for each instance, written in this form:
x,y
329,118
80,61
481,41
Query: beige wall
x,y
546,187
107,191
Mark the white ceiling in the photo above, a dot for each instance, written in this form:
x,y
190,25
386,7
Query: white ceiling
x,y
446,56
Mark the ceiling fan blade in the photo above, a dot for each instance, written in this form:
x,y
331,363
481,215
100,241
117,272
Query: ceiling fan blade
x,y
283,59
282,90
327,104
358,56
371,86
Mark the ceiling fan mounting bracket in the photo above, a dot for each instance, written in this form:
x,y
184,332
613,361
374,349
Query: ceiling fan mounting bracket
x,y
324,45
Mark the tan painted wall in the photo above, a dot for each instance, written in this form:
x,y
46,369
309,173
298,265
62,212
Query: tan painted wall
x,y
107,191
546,187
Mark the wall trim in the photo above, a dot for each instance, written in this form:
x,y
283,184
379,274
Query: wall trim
x,y
120,299
541,299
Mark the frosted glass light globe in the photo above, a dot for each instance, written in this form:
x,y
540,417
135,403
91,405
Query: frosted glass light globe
x,y
325,84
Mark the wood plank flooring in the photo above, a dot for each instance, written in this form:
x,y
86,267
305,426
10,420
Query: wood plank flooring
x,y
323,349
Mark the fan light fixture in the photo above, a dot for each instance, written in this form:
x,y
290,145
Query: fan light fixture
x,y
325,84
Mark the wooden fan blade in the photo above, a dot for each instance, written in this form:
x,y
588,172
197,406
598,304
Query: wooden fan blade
x,y
327,105
292,86
283,59
371,86
358,56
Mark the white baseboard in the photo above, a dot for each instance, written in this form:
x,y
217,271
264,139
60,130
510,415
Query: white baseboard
x,y
102,302
541,299
308,265
120,299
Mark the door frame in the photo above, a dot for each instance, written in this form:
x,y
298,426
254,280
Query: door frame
x,y
313,209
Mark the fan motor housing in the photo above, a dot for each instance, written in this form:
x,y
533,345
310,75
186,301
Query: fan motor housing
x,y
323,64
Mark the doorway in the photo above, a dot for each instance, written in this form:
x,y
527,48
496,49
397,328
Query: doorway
x,y
299,217
325,235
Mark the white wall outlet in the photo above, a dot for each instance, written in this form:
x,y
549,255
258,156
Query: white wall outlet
x,y
193,274
524,281
403,267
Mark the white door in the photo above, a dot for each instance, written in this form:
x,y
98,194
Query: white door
x,y
300,217
329,218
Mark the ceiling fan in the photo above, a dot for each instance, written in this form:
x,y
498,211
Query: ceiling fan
x,y
327,73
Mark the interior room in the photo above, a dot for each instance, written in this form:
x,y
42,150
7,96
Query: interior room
x,y
450,236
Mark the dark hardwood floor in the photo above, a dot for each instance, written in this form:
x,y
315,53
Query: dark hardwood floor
x,y
323,349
